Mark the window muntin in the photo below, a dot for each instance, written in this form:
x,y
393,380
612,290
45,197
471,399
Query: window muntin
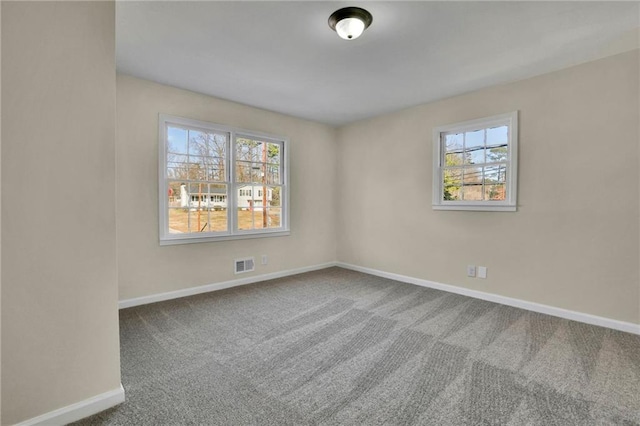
x,y
203,199
475,164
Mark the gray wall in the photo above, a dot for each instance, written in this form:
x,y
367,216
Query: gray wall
x,y
60,340
146,268
573,243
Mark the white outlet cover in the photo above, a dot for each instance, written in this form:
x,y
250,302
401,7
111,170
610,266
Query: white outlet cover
x,y
471,271
482,272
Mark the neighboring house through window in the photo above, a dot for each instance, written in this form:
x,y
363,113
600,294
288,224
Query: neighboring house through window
x,y
220,183
475,164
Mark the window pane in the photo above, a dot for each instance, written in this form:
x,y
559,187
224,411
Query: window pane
x,y
256,196
452,184
474,139
259,207
495,174
497,154
273,173
250,150
205,144
206,168
495,192
207,221
497,136
256,218
205,196
473,145
178,221
174,194
497,143
275,196
199,221
249,172
475,155
176,140
177,166
244,197
472,175
453,143
453,159
218,145
198,142
274,215
197,168
180,194
453,150
257,172
218,198
216,170
197,139
244,218
472,183
243,171
273,153
197,207
472,192
218,220
196,221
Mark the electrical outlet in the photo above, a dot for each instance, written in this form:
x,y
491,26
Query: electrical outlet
x,y
482,272
264,259
471,271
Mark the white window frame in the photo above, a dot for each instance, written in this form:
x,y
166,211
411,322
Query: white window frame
x,y
510,203
232,233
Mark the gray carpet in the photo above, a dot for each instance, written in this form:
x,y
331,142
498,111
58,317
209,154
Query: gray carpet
x,y
340,347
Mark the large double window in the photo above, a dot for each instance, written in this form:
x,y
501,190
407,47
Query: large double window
x,y
475,164
220,183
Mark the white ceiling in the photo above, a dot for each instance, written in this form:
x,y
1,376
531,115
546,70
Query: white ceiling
x,y
282,56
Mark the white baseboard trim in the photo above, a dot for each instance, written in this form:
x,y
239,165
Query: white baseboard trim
x,y
518,303
79,410
128,303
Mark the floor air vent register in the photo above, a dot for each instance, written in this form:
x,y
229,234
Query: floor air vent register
x,y
244,265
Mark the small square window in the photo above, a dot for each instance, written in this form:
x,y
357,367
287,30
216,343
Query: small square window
x,y
475,164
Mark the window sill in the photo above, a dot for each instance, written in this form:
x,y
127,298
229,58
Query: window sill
x,y
227,237
479,208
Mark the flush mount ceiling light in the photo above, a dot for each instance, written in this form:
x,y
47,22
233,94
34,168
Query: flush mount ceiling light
x,y
350,22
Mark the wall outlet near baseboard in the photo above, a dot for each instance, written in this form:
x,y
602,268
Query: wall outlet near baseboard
x,y
482,272
264,259
471,271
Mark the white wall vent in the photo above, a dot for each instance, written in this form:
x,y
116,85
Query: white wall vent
x,y
244,265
